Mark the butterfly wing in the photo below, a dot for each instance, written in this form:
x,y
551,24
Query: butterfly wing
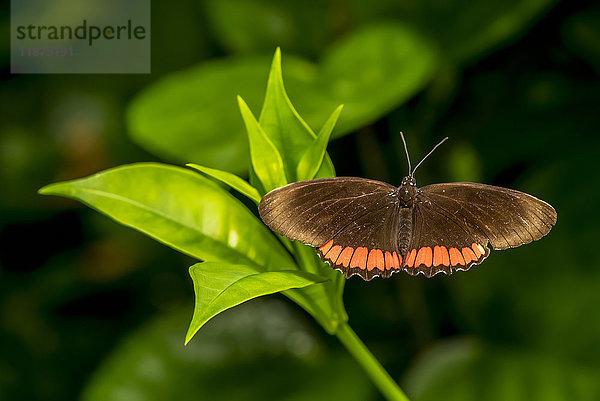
x,y
352,221
453,223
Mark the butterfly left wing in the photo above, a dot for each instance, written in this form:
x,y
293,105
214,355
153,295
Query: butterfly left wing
x,y
453,223
352,221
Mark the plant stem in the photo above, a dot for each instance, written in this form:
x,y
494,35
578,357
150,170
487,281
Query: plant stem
x,y
382,380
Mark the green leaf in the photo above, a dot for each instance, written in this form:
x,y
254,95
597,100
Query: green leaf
x,y
312,159
230,179
266,160
220,286
284,126
181,209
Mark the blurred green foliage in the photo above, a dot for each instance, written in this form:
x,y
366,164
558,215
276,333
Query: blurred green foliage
x,y
153,364
515,86
194,106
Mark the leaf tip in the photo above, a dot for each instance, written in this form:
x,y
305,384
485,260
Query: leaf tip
x,y
47,189
241,102
276,66
190,334
188,338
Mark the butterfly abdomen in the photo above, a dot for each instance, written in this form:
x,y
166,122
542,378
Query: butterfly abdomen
x,y
405,220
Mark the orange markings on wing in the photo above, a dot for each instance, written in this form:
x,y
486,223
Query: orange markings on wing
x,y
456,257
410,258
372,261
397,260
389,261
359,259
438,256
469,255
445,256
345,256
325,248
380,264
333,253
375,260
424,257
478,249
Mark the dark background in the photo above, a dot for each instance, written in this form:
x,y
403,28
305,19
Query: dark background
x,y
89,308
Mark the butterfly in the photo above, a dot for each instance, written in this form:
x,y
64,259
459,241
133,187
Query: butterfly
x,y
373,229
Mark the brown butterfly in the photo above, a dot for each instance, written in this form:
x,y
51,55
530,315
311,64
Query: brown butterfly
x,y
371,228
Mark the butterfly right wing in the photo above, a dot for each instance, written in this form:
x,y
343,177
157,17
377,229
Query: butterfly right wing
x,y
352,221
505,217
453,224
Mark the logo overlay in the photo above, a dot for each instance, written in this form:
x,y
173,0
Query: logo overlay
x,y
80,37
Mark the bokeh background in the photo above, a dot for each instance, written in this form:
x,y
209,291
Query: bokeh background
x,y
93,310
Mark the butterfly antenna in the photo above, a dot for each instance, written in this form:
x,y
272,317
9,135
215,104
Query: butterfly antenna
x,y
427,155
406,150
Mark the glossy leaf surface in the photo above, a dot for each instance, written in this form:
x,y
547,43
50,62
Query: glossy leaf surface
x,y
220,286
181,209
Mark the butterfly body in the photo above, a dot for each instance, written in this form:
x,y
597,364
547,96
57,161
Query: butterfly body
x,y
370,228
407,196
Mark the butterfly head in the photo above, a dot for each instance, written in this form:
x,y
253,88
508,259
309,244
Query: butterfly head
x,y
409,181
407,190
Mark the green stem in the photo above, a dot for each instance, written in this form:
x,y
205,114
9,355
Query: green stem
x,y
372,367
